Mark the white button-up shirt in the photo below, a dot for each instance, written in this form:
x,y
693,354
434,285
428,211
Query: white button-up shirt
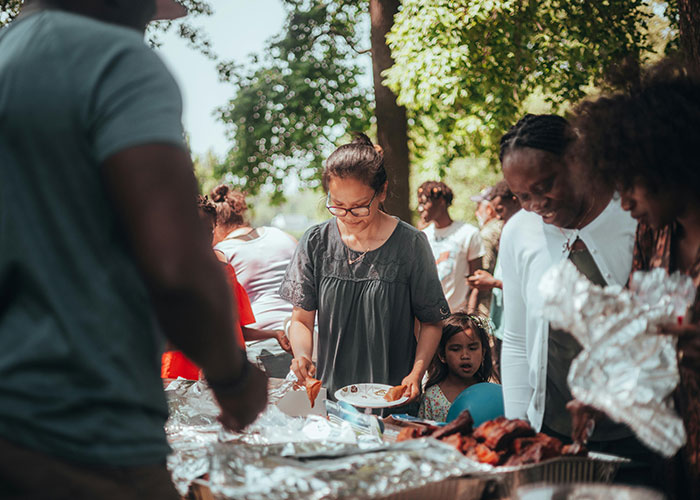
x,y
529,247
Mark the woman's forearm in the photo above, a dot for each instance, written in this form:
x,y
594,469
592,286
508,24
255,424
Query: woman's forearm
x,y
301,332
428,341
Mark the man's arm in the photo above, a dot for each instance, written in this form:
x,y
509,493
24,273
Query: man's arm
x,y
153,191
473,294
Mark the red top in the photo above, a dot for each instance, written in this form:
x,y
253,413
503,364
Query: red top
x,y
174,364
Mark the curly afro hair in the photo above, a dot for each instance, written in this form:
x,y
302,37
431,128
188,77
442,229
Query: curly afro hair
x,y
647,133
435,190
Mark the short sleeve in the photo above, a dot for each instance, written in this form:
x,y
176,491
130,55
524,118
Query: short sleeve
x,y
476,247
427,298
135,101
299,284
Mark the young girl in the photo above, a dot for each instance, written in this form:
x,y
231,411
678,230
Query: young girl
x,y
463,359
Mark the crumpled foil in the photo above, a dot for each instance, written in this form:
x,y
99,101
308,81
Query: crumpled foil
x,y
626,369
292,472
193,430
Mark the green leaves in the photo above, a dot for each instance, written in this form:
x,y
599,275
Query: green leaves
x,y
291,109
468,67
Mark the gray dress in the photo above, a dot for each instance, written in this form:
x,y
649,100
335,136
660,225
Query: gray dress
x,y
365,310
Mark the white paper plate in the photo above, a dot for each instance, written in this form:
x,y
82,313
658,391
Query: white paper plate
x,y
367,396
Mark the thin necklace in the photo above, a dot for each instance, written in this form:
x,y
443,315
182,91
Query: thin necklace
x,y
567,247
357,259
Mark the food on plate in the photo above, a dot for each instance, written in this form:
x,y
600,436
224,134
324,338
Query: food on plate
x,y
353,388
395,393
313,387
496,442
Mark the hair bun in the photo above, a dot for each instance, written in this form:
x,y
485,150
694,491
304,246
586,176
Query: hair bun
x,y
219,193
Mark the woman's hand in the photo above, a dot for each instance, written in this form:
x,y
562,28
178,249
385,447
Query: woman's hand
x,y
583,420
688,342
412,381
483,280
303,367
283,341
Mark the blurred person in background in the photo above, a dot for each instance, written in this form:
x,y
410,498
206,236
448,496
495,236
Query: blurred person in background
x,y
456,246
504,205
490,231
260,257
102,252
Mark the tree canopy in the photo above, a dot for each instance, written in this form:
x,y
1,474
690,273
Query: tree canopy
x,y
466,68
298,99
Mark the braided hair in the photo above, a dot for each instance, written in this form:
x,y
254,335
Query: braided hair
x,y
648,132
550,133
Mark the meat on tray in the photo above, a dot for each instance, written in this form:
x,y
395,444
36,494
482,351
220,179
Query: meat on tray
x,y
496,442
500,432
462,424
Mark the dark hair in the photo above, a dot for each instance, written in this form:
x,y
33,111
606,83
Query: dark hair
x,y
550,133
503,190
458,322
206,206
360,159
230,205
649,132
435,190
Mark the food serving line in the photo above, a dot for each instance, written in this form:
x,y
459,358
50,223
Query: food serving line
x,y
334,450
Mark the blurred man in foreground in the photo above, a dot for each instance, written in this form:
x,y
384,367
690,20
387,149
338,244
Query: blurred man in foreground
x,y
100,241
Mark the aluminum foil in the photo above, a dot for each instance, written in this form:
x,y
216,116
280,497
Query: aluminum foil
x,y
280,472
625,369
193,430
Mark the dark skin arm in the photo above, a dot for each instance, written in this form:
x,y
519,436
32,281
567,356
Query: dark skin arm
x,y
153,191
256,334
473,296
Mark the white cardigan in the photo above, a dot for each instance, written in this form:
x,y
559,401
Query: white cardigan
x,y
529,247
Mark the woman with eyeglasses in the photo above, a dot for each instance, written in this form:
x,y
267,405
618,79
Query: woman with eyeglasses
x,y
363,277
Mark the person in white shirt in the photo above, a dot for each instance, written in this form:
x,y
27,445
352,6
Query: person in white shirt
x,y
565,217
456,246
260,257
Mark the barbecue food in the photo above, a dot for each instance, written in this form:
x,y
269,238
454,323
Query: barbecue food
x,y
500,432
496,442
533,450
462,424
413,433
394,393
313,387
483,454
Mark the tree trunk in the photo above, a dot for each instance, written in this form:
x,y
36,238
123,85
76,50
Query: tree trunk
x,y
689,31
391,118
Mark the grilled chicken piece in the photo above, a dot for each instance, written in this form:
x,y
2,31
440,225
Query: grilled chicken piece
x,y
462,424
499,433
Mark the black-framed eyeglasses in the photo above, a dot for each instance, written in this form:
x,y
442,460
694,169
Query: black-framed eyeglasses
x,y
356,211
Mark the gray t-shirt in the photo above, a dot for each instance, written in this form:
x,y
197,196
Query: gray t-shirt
x,y
79,351
365,310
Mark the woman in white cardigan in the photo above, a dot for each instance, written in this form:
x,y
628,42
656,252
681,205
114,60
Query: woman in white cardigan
x,y
565,216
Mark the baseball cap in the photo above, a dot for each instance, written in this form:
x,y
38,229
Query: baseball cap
x,y
482,196
169,9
